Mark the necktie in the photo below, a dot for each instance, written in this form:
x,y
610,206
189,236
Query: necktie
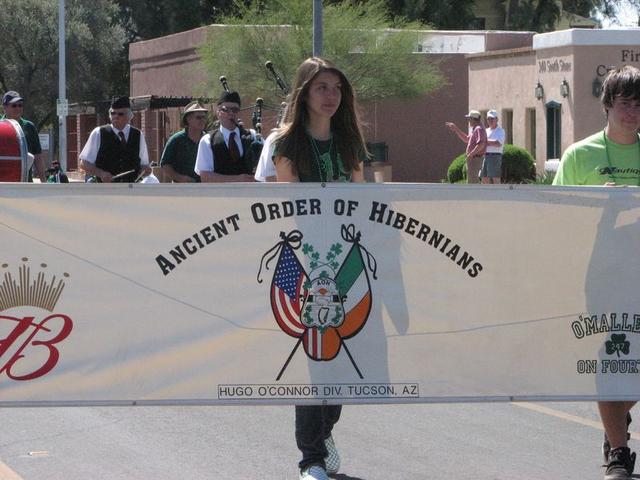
x,y
233,148
122,139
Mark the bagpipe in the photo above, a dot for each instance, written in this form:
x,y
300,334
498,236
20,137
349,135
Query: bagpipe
x,y
256,116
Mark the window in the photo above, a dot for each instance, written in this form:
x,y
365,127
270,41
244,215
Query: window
x,y
507,125
530,129
554,130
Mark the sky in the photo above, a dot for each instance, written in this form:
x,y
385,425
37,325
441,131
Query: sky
x,y
627,16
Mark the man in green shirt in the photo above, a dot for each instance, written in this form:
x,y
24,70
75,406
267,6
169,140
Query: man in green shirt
x,y
611,157
179,156
13,106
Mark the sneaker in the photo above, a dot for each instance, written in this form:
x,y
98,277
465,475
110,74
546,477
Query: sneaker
x,y
606,446
314,472
621,463
332,460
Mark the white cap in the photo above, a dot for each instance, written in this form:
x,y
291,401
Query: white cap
x,y
492,114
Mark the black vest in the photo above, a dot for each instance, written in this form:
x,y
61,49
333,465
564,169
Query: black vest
x,y
222,161
115,158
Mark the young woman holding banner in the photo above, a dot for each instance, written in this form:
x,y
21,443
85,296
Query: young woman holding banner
x,y
321,142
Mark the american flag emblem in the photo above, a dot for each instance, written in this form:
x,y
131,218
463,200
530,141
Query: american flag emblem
x,y
287,292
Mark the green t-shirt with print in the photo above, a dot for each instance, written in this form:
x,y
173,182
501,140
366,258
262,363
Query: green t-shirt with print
x,y
597,160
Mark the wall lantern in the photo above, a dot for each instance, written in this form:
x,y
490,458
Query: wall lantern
x,y
539,91
596,87
564,88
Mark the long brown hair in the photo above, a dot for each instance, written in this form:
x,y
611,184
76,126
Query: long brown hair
x,y
292,140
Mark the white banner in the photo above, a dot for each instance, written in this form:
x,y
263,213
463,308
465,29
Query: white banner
x,y
283,294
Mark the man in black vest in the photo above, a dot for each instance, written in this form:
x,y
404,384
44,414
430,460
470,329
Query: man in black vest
x,y
116,152
224,155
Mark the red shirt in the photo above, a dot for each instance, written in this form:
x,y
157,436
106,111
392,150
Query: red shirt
x,y
478,137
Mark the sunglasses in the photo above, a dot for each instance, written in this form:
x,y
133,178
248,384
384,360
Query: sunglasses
x,y
118,114
230,109
16,105
200,117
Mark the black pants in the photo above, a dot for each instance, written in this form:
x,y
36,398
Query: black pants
x,y
313,424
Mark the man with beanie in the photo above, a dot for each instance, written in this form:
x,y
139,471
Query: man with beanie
x,y
116,152
224,155
13,106
179,156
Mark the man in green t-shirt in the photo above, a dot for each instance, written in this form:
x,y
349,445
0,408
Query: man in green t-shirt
x,y
13,105
611,157
179,156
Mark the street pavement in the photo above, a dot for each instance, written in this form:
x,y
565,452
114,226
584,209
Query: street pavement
x,y
514,441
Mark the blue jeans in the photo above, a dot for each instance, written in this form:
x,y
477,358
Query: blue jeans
x,y
313,424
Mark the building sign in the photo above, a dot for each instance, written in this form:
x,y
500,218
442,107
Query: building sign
x,y
288,294
630,56
554,65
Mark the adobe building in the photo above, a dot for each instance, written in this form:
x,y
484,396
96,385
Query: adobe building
x,y
547,94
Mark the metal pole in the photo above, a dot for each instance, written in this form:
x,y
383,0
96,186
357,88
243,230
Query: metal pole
x,y
62,87
317,28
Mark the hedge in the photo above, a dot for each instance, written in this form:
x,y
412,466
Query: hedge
x,y
517,167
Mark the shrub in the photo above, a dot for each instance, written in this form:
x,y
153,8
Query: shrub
x,y
517,167
457,171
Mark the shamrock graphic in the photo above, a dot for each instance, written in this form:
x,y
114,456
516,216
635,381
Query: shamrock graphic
x,y
617,344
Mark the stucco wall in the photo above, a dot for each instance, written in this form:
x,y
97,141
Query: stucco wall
x,y
505,81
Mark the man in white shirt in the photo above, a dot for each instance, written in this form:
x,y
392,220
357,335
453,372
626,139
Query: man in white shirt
x,y
492,165
116,152
224,155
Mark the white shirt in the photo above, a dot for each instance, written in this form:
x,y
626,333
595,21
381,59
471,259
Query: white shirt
x,y
204,160
266,167
495,134
90,150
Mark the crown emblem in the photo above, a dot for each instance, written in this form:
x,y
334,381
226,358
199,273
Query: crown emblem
x,y
41,291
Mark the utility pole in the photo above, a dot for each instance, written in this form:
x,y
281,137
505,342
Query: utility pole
x,y
317,28
63,105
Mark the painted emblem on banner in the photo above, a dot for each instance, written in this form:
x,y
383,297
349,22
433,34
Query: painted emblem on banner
x,y
622,328
29,338
326,306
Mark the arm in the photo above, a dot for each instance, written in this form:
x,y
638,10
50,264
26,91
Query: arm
x,y
168,170
168,157
454,128
213,177
38,163
144,156
91,170
285,171
499,138
480,142
88,157
357,176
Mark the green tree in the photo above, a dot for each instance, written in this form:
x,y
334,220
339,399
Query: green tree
x,y
542,15
357,37
449,15
145,19
96,55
